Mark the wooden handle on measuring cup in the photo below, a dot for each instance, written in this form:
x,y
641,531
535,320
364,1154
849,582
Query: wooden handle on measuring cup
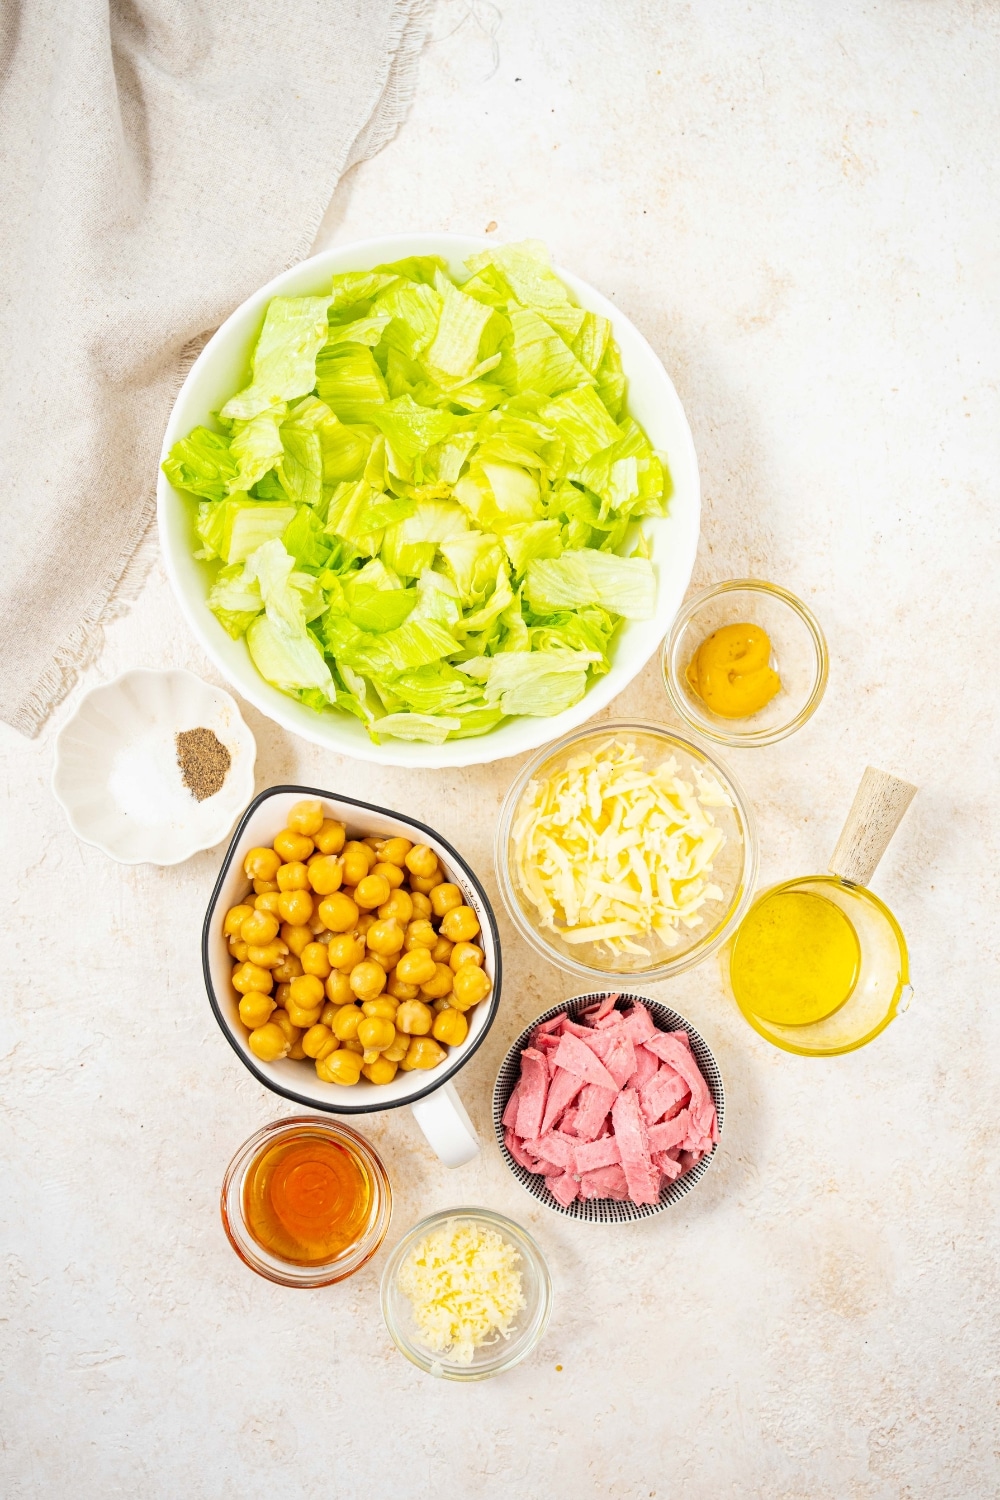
x,y
876,813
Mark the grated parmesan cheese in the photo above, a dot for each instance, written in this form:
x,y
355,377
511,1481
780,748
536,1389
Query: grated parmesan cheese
x,y
464,1287
608,851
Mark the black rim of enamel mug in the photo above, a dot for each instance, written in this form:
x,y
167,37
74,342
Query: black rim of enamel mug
x,y
385,812
608,1210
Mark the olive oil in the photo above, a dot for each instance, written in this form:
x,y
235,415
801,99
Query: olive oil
x,y
796,959
306,1199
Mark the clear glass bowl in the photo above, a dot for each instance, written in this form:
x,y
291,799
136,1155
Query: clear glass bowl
x,y
489,1359
882,988
734,869
286,1273
798,655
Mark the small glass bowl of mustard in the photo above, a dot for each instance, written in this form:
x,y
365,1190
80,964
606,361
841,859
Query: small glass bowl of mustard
x,y
306,1202
788,682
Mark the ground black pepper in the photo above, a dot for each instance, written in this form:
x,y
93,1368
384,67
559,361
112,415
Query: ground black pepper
x,y
204,761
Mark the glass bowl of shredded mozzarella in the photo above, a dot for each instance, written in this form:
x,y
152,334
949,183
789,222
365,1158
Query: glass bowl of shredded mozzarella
x,y
466,1294
625,849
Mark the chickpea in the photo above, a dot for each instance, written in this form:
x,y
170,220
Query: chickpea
x,y
375,1033
400,991
282,993
380,1071
444,897
346,950
291,845
419,934
439,984
414,1017
394,851
284,1021
397,1048
316,924
269,1043
296,937
442,950
267,902
450,1027
382,1006
297,1052
423,1052
421,861
290,968
319,1041
238,949
358,860
316,960
371,892
391,874
385,937
465,953
399,905
306,817
308,991
424,884
416,966
234,919
293,877
259,927
338,988
366,920
374,842
326,874
471,984
421,904
353,1045
346,1023
255,1009
342,1067
329,839
247,976
367,980
261,887
296,907
268,955
339,912
460,924
261,864
303,1016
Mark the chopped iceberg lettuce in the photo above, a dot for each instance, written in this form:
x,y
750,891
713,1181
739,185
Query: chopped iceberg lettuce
x,y
419,505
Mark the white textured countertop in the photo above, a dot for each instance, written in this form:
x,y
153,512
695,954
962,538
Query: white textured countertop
x,y
797,204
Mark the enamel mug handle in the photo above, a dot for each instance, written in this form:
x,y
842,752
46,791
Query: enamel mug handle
x,y
445,1123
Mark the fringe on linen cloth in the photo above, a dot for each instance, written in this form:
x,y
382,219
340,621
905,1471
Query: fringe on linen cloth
x,y
168,159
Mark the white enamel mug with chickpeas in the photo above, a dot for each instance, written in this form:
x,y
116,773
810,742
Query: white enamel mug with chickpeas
x,y
340,965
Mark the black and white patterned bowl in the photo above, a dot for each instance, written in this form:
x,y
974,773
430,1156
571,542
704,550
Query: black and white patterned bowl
x,y
608,1210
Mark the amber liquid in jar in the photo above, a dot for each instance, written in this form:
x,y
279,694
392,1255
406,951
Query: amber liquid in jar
x,y
306,1199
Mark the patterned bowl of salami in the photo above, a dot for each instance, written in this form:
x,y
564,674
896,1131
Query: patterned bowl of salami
x,y
609,1108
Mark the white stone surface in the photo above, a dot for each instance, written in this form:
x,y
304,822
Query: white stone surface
x,y
797,203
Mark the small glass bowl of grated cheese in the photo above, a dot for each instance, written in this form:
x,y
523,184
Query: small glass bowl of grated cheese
x,y
466,1294
626,849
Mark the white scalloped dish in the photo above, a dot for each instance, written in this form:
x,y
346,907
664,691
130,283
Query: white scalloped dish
x,y
116,774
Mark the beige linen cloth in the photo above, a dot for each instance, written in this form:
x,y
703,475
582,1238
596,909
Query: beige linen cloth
x,y
159,160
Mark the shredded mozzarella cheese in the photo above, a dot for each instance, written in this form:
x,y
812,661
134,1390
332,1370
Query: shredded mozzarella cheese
x,y
464,1287
608,851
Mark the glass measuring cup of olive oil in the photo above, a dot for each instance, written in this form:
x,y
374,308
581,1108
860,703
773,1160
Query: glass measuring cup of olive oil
x,y
819,965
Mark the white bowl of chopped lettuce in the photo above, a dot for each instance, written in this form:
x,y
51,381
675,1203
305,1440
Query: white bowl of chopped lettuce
x,y
428,501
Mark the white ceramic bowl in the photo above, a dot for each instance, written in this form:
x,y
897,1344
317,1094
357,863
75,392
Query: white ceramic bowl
x,y
221,369
116,775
